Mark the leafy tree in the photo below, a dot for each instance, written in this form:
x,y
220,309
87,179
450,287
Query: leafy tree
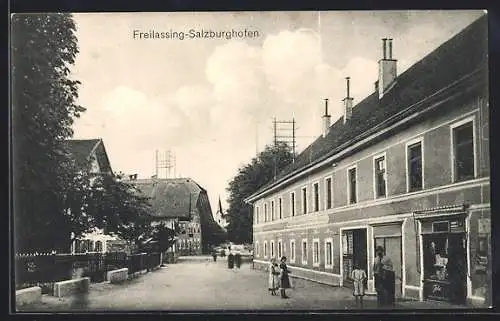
x,y
119,208
160,239
261,170
44,107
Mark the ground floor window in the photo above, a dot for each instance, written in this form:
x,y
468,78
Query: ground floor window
x,y
279,249
272,248
292,251
304,252
328,253
265,249
98,246
316,252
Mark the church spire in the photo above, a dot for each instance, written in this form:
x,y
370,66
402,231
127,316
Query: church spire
x,y
220,207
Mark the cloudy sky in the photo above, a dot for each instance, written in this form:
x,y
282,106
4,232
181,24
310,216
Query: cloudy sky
x,y
211,101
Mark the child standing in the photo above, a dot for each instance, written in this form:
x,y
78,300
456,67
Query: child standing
x,y
359,276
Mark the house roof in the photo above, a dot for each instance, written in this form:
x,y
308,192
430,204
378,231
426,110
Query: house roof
x,y
81,150
170,198
460,56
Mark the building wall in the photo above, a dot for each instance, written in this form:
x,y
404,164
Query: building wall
x,y
438,190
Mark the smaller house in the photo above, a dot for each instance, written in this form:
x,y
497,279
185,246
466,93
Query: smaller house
x,y
183,205
85,151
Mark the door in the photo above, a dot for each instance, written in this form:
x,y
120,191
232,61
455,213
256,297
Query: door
x,y
354,251
457,267
393,250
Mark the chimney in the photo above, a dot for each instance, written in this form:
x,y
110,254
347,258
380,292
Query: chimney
x,y
326,119
347,102
387,71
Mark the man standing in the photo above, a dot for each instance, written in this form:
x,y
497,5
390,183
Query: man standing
x,y
384,278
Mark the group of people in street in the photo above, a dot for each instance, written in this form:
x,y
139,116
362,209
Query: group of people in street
x,y
279,277
233,260
382,271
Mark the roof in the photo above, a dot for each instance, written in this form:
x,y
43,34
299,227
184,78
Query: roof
x,y
170,198
81,149
434,72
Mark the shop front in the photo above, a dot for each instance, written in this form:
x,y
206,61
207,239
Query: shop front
x,y
444,256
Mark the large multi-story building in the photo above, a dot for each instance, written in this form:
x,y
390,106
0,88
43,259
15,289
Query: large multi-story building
x,y
407,168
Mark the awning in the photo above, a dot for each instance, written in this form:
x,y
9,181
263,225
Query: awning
x,y
441,211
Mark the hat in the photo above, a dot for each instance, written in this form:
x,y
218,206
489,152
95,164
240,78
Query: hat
x,y
380,249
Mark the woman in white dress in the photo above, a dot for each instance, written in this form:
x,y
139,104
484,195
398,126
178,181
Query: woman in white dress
x,y
274,282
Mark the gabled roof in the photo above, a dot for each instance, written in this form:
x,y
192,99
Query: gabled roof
x,y
458,57
170,198
82,149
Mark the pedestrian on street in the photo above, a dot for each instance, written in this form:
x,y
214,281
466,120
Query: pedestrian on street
x,y
237,260
359,277
274,276
384,278
230,260
284,278
214,255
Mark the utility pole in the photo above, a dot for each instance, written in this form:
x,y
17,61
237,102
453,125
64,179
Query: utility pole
x,y
165,164
284,132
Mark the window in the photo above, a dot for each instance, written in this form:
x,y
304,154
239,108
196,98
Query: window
x,y
329,253
272,210
98,246
328,190
265,249
380,176
352,189
463,152
257,249
316,196
316,252
265,212
272,248
304,252
280,247
292,203
280,207
304,200
414,154
256,215
292,251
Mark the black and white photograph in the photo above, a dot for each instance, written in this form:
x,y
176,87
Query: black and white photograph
x,y
250,161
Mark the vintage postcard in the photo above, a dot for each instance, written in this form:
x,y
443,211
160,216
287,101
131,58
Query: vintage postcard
x,y
236,161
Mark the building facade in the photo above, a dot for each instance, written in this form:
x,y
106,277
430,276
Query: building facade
x,y
183,205
91,152
407,169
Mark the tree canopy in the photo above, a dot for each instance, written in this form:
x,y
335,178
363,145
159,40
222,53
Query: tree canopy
x,y
261,170
44,107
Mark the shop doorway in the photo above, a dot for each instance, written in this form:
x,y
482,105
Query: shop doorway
x,y
445,267
354,251
393,249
